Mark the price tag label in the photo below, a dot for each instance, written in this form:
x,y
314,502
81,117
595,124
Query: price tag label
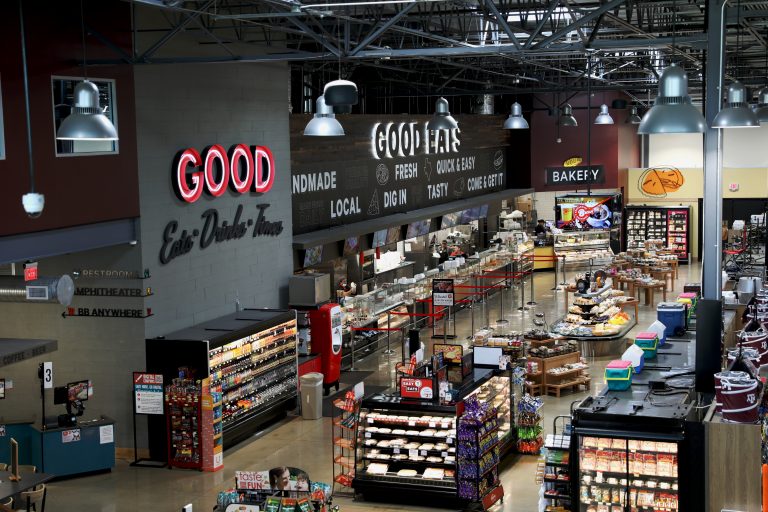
x,y
413,453
444,454
449,440
370,420
396,450
423,453
411,423
367,434
432,424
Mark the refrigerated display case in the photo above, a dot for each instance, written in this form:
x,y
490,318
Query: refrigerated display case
x,y
250,354
630,455
407,449
668,224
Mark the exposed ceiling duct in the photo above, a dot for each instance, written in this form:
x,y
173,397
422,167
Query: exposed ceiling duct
x,y
45,290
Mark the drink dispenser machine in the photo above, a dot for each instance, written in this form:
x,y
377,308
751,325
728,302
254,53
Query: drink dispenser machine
x,y
326,324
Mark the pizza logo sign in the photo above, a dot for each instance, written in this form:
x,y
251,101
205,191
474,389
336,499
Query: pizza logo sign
x,y
659,181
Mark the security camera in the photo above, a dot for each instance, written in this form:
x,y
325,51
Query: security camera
x,y
33,204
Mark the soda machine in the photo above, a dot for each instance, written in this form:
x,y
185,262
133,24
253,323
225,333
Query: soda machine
x,y
326,330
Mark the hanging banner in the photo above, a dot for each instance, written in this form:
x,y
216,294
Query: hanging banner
x,y
392,165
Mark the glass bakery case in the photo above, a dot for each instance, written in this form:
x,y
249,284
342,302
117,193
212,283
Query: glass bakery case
x,y
584,248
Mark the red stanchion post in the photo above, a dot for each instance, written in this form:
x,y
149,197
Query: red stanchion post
x,y
531,302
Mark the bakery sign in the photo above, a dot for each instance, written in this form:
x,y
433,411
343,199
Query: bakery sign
x,y
576,175
242,170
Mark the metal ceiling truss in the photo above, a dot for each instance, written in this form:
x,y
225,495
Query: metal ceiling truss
x,y
456,47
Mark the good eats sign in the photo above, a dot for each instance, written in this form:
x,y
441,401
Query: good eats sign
x,y
242,169
392,140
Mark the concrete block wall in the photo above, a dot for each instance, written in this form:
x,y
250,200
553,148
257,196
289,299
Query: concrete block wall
x,y
104,350
183,106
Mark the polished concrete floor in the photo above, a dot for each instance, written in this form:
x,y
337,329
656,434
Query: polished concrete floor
x,y
307,443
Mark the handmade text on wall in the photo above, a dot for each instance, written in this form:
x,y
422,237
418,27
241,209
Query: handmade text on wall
x,y
383,167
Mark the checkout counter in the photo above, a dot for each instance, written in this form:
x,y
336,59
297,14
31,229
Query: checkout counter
x,y
87,447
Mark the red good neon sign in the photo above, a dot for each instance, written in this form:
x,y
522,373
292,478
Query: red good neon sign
x,y
242,169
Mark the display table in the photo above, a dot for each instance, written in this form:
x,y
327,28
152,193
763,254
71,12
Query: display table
x,y
650,291
634,301
666,275
85,448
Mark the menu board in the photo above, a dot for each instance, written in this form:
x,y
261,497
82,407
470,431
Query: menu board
x,y
391,165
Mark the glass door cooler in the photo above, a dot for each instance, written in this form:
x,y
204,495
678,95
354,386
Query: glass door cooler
x,y
636,454
624,474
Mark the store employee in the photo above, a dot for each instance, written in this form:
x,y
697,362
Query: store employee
x,y
541,227
344,289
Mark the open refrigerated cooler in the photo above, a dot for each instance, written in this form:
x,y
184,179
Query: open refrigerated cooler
x,y
670,224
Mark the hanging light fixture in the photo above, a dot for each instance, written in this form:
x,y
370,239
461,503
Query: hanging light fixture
x,y
633,118
442,120
736,112
604,117
566,118
672,110
87,120
516,121
762,105
324,124
32,201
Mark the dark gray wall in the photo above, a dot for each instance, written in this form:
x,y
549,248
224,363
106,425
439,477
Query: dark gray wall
x,y
182,106
104,350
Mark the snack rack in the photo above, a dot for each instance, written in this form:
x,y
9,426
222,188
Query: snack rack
x,y
556,475
346,414
478,453
529,428
184,419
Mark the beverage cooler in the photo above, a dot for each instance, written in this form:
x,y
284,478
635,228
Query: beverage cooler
x,y
671,224
636,460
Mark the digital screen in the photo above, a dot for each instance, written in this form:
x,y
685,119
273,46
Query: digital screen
x,y
351,245
591,212
77,391
379,238
419,228
313,256
449,220
469,215
393,235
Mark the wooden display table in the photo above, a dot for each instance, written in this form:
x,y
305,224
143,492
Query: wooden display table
x,y
650,291
666,275
630,282
675,264
574,382
634,301
556,383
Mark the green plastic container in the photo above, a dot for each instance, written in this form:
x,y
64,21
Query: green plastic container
x,y
649,342
618,375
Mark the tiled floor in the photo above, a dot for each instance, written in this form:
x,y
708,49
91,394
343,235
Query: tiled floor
x,y
307,443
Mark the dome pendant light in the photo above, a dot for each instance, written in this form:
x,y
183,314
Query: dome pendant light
x,y
340,93
324,124
604,117
442,120
633,118
567,119
762,105
736,112
87,120
516,121
672,111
